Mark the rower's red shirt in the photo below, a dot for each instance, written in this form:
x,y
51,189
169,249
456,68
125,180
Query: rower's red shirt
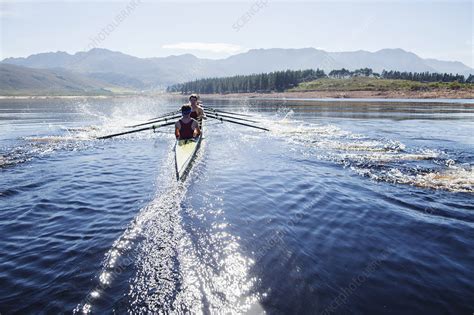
x,y
186,131
194,115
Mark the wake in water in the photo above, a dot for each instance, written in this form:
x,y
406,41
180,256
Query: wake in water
x,y
174,260
379,159
30,148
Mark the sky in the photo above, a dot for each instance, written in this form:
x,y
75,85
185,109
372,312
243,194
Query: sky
x,y
217,29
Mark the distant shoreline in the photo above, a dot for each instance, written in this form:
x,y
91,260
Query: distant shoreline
x,y
443,94
40,97
347,95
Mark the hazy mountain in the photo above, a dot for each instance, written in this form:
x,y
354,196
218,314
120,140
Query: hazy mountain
x,y
118,79
18,80
448,66
267,60
149,73
389,59
113,67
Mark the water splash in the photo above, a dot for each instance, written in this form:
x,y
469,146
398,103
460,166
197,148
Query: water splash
x,y
59,137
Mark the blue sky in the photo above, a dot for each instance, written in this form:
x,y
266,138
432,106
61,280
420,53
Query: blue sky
x,y
441,29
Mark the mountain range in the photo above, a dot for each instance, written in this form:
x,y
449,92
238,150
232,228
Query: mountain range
x,y
100,68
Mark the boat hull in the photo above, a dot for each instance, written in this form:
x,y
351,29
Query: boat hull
x,y
185,151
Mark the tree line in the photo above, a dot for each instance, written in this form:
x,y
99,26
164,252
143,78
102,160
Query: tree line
x,y
280,81
426,76
263,82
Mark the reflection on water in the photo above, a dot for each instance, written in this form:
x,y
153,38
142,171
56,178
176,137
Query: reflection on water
x,y
276,222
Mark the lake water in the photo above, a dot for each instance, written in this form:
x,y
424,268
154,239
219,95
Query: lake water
x,y
343,207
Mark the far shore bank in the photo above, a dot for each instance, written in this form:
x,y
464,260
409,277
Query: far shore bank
x,y
40,97
437,94
440,94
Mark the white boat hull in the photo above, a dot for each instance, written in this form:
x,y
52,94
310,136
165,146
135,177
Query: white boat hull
x,y
185,151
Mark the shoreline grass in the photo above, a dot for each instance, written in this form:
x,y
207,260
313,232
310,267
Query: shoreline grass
x,y
375,84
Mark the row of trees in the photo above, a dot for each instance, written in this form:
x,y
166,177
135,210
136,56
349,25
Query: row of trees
x,y
282,80
426,76
399,75
344,73
263,82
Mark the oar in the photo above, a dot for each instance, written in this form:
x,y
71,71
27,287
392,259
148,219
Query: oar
x,y
238,123
222,111
236,118
166,115
136,130
154,121
178,116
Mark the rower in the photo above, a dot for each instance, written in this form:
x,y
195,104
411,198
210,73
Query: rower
x,y
186,127
197,111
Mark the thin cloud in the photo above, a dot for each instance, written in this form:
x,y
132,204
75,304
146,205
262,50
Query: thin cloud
x,y
209,47
7,13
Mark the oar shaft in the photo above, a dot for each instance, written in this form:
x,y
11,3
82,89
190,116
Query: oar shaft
x,y
236,118
238,123
222,111
134,131
155,121
165,115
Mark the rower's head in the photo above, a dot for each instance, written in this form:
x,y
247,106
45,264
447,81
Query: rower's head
x,y
186,110
193,99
